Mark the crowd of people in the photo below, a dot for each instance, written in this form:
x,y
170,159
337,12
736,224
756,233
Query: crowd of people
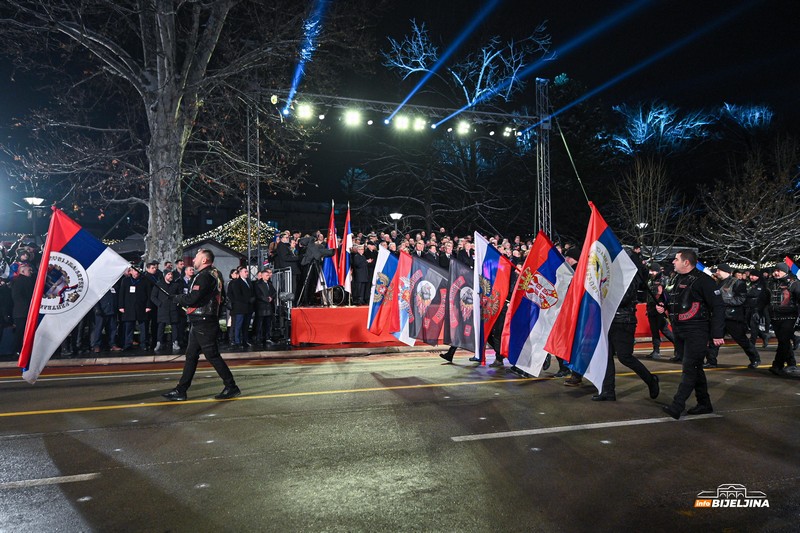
x,y
138,313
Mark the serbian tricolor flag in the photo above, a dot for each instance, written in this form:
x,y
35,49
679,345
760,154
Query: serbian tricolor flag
x,y
76,271
535,303
381,295
491,280
329,267
345,275
792,267
602,276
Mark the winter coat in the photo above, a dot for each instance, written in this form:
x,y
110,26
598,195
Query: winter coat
x,y
264,291
134,298
168,310
241,296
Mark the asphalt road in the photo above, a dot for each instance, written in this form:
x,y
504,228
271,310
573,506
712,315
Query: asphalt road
x,y
392,443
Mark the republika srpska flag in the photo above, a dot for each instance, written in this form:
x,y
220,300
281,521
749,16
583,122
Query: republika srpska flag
x,y
535,303
381,295
428,301
345,275
76,271
491,280
602,276
458,329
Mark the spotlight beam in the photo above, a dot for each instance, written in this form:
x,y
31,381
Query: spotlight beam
x,y
580,39
466,32
650,60
312,28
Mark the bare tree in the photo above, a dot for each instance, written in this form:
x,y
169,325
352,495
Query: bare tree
x,y
648,208
752,217
455,180
152,96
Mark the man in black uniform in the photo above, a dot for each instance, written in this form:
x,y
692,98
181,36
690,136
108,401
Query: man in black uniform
x,y
757,301
656,320
621,338
734,295
202,304
696,308
784,293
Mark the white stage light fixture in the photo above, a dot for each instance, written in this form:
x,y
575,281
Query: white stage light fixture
x,y
419,124
369,122
491,133
386,121
322,117
304,112
401,122
352,118
463,128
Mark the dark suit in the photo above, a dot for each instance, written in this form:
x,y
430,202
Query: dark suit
x,y
265,310
242,298
134,300
360,278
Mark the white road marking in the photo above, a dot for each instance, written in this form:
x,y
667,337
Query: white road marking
x,y
48,481
580,427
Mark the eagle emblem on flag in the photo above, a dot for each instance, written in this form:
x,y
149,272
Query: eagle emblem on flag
x,y
490,299
538,289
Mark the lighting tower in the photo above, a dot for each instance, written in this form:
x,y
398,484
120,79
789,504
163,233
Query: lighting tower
x,y
253,197
543,213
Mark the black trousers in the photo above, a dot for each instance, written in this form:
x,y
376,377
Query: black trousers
x,y
754,322
620,343
693,344
658,325
784,332
738,332
262,328
203,337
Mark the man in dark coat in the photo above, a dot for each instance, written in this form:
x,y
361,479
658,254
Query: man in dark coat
x,y
105,318
134,303
242,298
265,307
21,295
287,256
361,278
168,312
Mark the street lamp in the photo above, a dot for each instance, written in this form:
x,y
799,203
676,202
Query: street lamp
x,y
395,217
33,202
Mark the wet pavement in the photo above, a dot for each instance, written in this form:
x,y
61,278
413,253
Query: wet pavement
x,y
331,441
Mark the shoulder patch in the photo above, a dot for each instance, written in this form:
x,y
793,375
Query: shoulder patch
x,y
196,287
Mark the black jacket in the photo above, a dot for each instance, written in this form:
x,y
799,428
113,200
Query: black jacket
x,y
241,296
134,298
695,303
205,295
734,295
21,295
168,309
265,298
285,258
360,268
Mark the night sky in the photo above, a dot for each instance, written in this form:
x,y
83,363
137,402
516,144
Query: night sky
x,y
751,59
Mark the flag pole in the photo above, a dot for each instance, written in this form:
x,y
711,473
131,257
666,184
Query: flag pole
x,y
572,161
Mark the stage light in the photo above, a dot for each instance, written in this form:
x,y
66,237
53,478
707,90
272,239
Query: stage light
x,y
433,126
286,111
273,99
419,124
386,121
352,118
463,128
369,122
304,112
507,132
322,117
449,130
401,122
491,133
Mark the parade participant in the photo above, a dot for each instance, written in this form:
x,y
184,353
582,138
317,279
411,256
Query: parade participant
x,y
656,320
203,309
757,301
784,293
621,339
734,295
697,311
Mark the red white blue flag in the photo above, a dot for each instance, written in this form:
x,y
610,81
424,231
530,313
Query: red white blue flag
x,y
491,280
602,276
330,270
345,274
792,267
76,271
535,304
382,294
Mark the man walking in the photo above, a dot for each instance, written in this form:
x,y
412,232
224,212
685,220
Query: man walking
x,y
202,304
697,312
